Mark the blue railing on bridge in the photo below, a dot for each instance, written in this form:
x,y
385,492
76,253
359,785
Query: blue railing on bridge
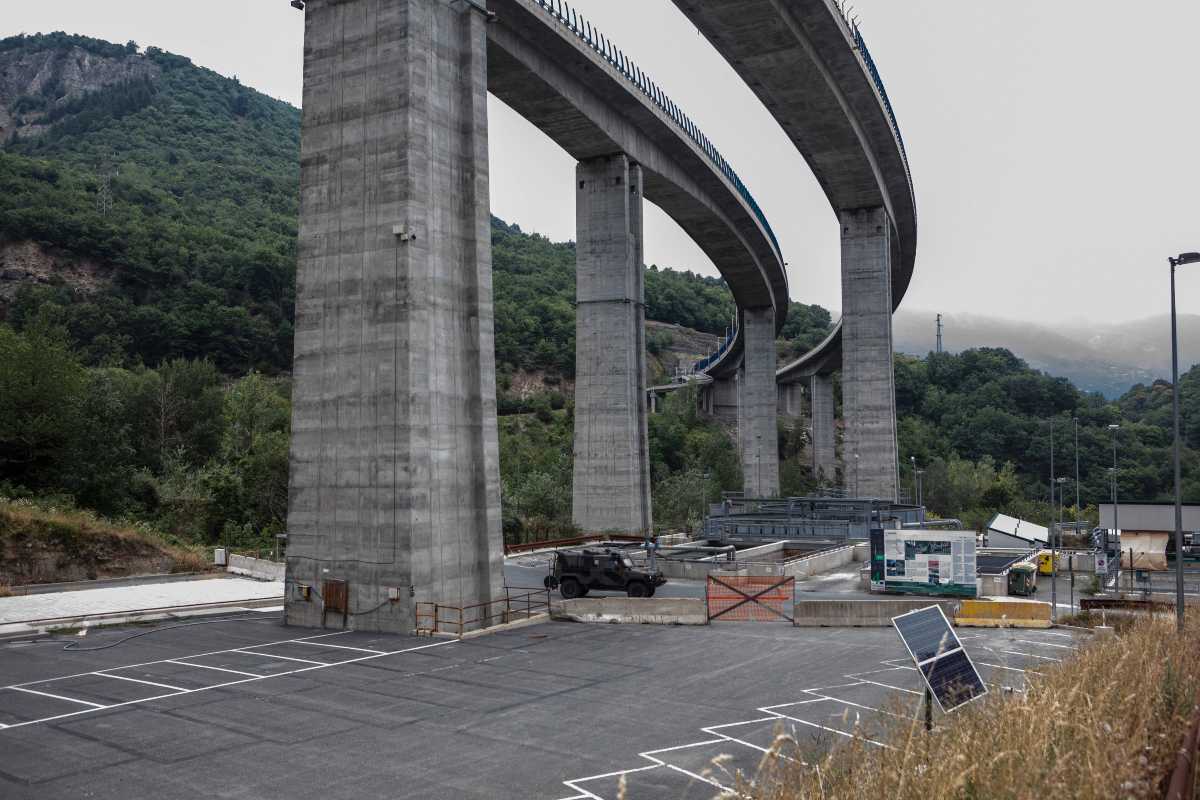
x,y
722,348
860,44
563,13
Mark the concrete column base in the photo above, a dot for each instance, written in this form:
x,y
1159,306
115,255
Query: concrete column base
x,y
394,481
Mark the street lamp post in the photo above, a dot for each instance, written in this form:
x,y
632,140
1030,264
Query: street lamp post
x,y
1054,545
856,474
1078,507
913,459
1116,528
1183,259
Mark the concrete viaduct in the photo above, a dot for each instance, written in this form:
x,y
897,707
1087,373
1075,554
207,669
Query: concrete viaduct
x,y
812,70
394,487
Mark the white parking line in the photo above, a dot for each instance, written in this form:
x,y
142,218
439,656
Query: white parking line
x,y
206,666
343,647
999,666
139,680
1030,655
1048,644
297,671
163,660
250,652
56,697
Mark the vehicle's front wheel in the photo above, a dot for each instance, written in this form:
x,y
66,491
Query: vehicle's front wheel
x,y
570,589
638,589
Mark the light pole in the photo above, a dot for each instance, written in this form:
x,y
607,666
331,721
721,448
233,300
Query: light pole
x,y
913,459
921,492
1054,543
856,475
1078,507
1183,259
1116,528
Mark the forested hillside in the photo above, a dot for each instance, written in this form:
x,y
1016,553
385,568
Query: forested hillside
x,y
147,269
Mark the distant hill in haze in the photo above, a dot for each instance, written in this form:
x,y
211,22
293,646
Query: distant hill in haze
x,y
1096,356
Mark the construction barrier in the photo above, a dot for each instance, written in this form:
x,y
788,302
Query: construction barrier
x,y
874,612
749,598
1003,614
633,610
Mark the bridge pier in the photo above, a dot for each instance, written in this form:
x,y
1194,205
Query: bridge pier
x,y
611,489
758,433
868,378
394,475
791,401
823,442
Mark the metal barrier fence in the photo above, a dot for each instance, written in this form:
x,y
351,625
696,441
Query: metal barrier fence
x,y
433,618
562,13
750,598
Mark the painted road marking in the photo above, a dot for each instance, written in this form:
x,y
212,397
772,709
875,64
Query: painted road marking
x,y
206,666
139,680
97,707
56,697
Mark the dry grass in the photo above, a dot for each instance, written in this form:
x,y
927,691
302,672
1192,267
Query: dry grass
x,y
1104,724
43,543
5,590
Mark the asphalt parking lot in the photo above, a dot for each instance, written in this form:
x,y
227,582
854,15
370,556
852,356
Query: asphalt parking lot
x,y
249,709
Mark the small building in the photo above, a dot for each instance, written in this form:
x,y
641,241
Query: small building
x,y
1148,530
1009,532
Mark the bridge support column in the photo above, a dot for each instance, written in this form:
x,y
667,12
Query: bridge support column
x,y
612,463
394,474
757,428
823,442
791,400
868,379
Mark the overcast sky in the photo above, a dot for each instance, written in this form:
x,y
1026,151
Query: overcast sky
x,y
1055,144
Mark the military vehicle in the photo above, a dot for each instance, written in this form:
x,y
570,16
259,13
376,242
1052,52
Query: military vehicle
x,y
575,573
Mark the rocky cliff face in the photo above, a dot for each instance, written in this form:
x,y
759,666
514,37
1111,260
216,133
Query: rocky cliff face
x,y
34,84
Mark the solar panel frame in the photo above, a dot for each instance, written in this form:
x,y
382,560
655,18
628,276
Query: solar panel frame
x,y
942,654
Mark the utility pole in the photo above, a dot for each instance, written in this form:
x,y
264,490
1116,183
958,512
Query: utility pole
x,y
1053,550
939,333
1078,507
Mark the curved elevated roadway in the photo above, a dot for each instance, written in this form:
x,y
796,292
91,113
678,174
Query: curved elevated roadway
x,y
812,70
551,67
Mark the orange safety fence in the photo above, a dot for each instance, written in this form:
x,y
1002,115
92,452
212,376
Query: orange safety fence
x,y
750,598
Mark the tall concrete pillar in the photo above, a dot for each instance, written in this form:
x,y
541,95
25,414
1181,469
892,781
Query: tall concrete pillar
x,y
611,489
868,379
823,443
757,428
791,401
394,480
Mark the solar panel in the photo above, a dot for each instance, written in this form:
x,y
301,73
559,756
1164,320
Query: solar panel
x,y
953,680
940,657
927,633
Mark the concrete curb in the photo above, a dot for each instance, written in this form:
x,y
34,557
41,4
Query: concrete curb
x,y
39,626
633,610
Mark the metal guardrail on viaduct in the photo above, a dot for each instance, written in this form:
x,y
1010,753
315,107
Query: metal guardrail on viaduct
x,y
811,68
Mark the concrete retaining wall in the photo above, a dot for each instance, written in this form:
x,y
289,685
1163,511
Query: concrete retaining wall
x,y
255,567
863,613
1003,613
636,610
